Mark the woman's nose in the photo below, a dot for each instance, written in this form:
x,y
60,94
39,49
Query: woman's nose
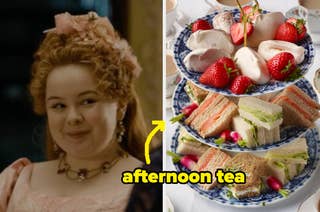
x,y
74,116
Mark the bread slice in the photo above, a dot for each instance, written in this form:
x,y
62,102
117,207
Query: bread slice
x,y
298,108
189,145
218,120
254,167
288,161
271,136
247,130
284,171
195,93
212,116
255,135
260,112
211,160
211,99
210,111
295,152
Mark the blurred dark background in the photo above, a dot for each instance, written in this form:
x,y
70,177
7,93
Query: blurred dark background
x,y
21,26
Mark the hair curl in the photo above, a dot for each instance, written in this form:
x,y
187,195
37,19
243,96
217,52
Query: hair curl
x,y
112,63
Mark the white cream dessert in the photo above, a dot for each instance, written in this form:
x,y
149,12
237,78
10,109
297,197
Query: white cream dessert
x,y
269,48
265,28
252,65
200,59
223,21
210,39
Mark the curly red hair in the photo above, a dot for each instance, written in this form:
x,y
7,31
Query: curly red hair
x,y
112,62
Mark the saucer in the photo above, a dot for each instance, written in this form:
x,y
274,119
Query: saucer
x,y
316,80
311,204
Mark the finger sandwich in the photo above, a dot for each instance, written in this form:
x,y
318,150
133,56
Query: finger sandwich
x,y
187,145
298,108
195,93
255,135
211,160
288,161
261,113
212,116
254,167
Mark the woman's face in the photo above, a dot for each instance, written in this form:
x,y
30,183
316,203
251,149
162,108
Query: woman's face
x,y
81,122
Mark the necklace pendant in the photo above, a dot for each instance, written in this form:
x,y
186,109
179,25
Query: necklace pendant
x,y
82,174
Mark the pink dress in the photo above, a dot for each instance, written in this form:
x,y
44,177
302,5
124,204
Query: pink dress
x,y
16,195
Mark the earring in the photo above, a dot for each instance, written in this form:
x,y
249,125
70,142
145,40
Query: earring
x,y
120,131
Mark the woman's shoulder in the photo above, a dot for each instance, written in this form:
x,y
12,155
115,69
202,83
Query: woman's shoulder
x,y
45,165
17,165
8,179
42,172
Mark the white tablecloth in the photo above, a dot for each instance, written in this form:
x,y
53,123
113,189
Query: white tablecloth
x,y
183,198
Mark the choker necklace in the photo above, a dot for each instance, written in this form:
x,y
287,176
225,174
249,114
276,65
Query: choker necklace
x,y
83,173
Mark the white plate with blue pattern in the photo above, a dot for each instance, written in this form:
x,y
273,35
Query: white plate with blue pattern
x,y
181,51
219,195
288,134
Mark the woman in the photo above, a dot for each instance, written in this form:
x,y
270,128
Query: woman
x,y
82,82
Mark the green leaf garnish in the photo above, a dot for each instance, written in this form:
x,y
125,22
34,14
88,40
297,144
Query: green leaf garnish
x,y
177,118
284,192
229,194
242,143
175,157
219,141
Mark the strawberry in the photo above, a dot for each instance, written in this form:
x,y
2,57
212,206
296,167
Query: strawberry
x,y
241,84
230,66
200,25
215,75
287,32
281,65
237,34
252,11
299,24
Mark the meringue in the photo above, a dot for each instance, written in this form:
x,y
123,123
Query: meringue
x,y
212,38
265,28
200,59
252,65
223,21
268,49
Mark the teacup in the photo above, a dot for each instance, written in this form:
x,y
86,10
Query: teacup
x,y
171,11
313,20
311,204
311,15
316,80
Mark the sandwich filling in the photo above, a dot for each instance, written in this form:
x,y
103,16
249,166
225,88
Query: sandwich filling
x,y
262,116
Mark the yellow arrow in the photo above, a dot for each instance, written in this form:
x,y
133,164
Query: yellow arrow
x,y
160,126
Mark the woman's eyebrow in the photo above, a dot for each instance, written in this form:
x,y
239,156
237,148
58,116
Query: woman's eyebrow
x,y
88,92
53,98
80,94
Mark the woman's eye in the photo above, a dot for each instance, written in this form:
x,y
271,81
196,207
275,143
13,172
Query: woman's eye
x,y
58,106
88,101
